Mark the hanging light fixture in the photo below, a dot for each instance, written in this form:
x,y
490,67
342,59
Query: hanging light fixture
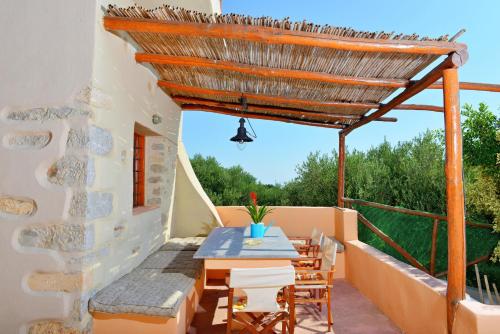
x,y
242,137
241,134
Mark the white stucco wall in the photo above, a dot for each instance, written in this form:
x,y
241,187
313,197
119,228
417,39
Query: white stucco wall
x,y
70,95
194,214
47,49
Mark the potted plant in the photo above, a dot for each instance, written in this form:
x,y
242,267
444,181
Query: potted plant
x,y
257,214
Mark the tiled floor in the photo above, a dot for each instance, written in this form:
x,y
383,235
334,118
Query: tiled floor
x,y
352,313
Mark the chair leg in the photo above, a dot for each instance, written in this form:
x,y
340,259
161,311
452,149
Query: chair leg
x,y
319,293
229,311
329,307
283,326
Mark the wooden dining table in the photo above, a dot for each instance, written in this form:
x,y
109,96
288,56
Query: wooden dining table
x,y
231,247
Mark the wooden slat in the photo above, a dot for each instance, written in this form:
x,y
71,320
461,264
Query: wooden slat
x,y
323,116
432,265
388,240
178,89
471,263
269,35
419,107
470,86
452,61
237,113
268,72
171,86
410,212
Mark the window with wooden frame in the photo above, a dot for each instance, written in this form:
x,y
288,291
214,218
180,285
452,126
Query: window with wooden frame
x,y
139,168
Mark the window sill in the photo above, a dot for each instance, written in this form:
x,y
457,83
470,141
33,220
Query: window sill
x,y
143,209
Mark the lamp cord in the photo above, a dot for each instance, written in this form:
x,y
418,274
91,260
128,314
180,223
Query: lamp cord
x,y
254,135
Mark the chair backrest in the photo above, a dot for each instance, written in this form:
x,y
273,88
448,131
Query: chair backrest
x,y
261,285
328,254
316,237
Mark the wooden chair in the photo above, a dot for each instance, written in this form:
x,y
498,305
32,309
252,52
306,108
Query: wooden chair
x,y
268,299
314,286
308,246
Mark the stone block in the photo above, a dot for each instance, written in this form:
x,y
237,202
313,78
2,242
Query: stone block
x,y
72,171
91,205
17,206
155,179
28,140
88,258
57,327
47,114
154,201
63,237
157,191
157,168
99,141
157,146
56,281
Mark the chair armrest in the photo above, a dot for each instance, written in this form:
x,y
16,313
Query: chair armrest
x,y
299,238
314,271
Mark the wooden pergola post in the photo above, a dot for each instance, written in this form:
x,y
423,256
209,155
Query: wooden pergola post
x,y
341,171
454,195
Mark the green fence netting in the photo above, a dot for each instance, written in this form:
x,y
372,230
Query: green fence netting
x,y
414,234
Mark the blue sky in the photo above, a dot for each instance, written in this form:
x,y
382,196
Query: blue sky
x,y
273,156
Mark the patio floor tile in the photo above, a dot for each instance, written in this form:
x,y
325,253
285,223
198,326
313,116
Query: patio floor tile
x,y
352,312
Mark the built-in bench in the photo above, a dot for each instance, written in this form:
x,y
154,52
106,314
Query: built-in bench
x,y
159,296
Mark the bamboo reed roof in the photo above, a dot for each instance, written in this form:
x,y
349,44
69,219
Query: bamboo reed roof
x,y
297,71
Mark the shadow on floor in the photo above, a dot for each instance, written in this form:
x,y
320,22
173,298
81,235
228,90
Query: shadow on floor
x,y
352,313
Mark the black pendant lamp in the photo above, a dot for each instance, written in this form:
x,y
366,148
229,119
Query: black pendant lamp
x,y
241,134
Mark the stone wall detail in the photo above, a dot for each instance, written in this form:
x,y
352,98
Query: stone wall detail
x,y
28,140
99,141
47,114
18,206
58,282
72,171
63,237
67,130
91,205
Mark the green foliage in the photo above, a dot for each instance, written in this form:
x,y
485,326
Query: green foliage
x,y
231,186
409,174
481,145
479,132
257,213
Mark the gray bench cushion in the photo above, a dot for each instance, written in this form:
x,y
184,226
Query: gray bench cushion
x,y
187,244
180,260
144,291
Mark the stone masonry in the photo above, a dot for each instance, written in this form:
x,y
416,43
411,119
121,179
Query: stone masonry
x,y
74,172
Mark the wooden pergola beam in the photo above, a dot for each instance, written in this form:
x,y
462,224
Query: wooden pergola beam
x,y
269,35
299,103
452,61
419,107
301,113
267,72
184,89
230,112
478,86
455,206
341,172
